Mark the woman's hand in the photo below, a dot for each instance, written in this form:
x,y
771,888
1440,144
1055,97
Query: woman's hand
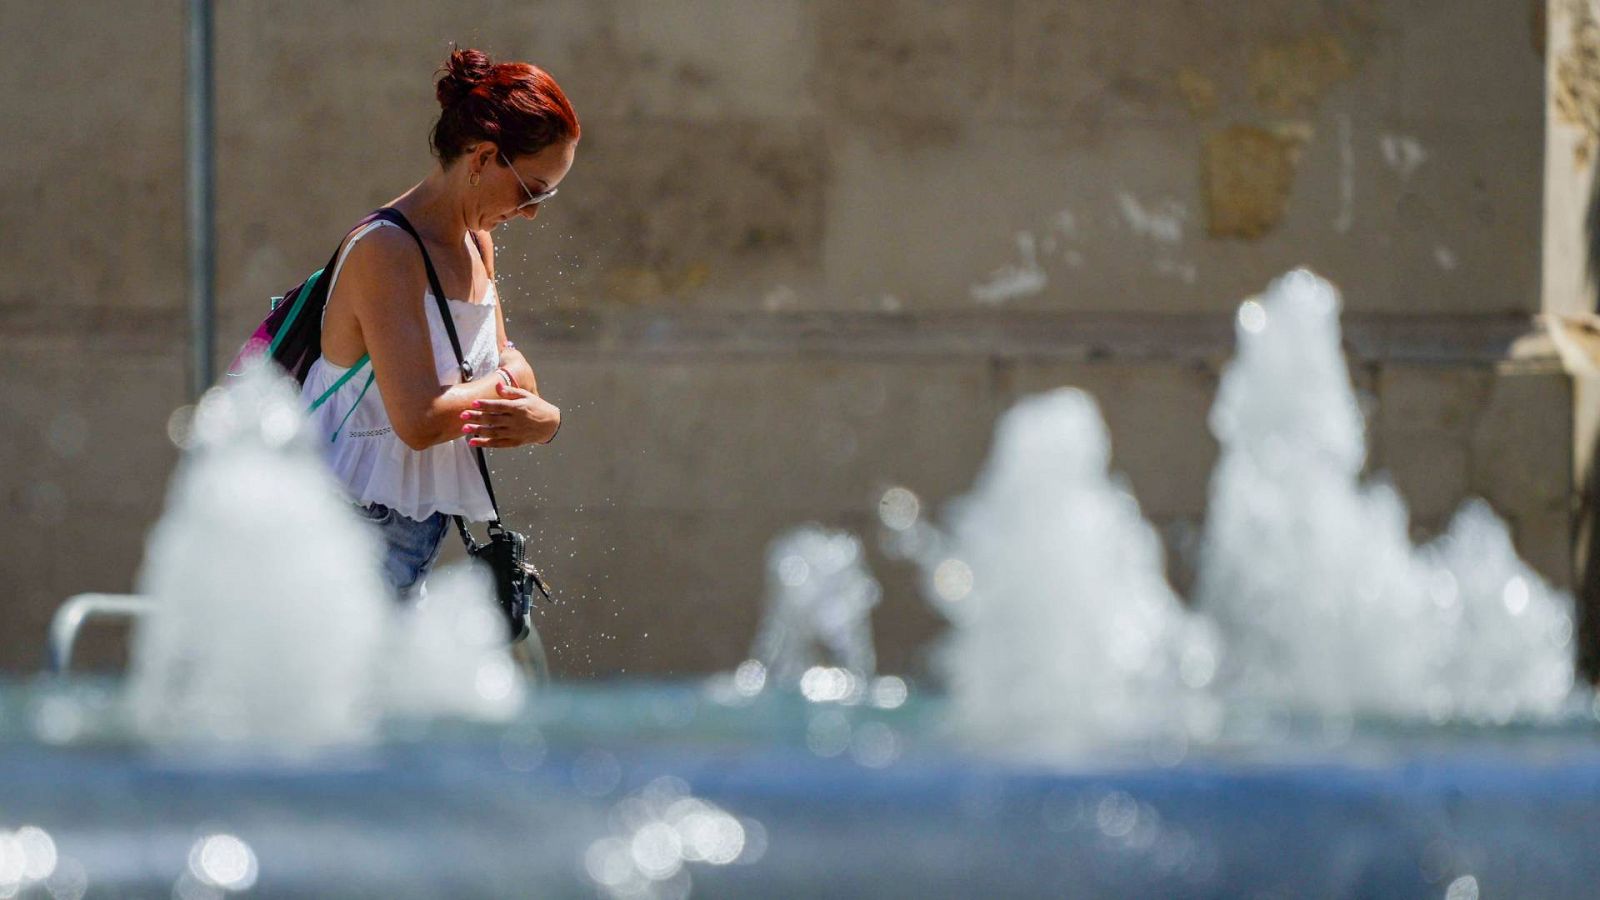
x,y
518,418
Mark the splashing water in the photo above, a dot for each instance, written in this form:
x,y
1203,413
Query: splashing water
x,y
272,618
1512,632
270,601
1311,575
448,656
819,597
1066,634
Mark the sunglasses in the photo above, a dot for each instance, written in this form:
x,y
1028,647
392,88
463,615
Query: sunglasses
x,y
533,199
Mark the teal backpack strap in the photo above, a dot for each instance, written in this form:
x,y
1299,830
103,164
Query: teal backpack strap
x,y
349,373
294,312
336,431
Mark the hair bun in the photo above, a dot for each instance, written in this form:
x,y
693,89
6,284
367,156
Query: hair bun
x,y
463,71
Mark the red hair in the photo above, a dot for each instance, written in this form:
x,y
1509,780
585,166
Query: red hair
x,y
516,105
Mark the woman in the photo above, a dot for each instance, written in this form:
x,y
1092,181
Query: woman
x,y
400,438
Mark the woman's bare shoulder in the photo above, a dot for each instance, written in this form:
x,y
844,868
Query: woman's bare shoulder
x,y
383,262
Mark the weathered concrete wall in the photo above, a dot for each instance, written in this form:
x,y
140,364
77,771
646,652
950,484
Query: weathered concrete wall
x,y
811,248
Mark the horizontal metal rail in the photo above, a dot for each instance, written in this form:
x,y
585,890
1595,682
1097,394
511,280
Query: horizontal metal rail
x,y
69,618
71,615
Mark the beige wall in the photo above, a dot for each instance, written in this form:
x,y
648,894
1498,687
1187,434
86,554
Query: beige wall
x,y
754,298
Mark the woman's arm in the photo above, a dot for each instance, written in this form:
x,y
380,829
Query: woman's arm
x,y
384,279
517,364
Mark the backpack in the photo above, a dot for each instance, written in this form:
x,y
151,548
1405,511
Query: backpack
x,y
291,334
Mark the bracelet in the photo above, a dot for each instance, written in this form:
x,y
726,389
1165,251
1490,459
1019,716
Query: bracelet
x,y
505,375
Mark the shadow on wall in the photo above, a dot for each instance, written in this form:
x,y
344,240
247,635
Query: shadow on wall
x,y
1586,533
1591,229
1587,538
1588,577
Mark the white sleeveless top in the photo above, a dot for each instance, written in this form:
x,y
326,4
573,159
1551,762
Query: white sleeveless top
x,y
359,442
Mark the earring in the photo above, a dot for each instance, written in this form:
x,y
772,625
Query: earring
x,y
473,180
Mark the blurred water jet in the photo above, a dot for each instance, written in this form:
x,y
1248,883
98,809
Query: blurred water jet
x,y
273,628
1065,633
1310,573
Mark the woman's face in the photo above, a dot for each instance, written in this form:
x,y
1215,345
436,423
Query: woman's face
x,y
503,197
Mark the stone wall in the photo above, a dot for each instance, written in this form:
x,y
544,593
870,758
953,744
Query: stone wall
x,y
810,249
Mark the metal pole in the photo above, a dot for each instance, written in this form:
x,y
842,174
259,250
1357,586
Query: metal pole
x,y
201,184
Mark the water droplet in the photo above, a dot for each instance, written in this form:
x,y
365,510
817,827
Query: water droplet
x,y
899,508
1516,595
1463,888
952,580
223,861
1252,317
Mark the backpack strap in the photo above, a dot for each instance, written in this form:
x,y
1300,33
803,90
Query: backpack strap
x,y
300,298
371,377
349,373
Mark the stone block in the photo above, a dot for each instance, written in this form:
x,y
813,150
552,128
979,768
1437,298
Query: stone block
x,y
1522,444
655,593
1430,470
1339,218
1088,61
668,569
77,441
1156,414
808,437
1114,219
1411,217
1279,58
714,60
918,71
1435,399
93,210
87,467
1100,220
1421,433
1470,219
592,47
1544,540
89,548
715,215
1472,62
1091,61
905,627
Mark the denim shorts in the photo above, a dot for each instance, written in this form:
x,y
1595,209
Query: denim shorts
x,y
410,547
